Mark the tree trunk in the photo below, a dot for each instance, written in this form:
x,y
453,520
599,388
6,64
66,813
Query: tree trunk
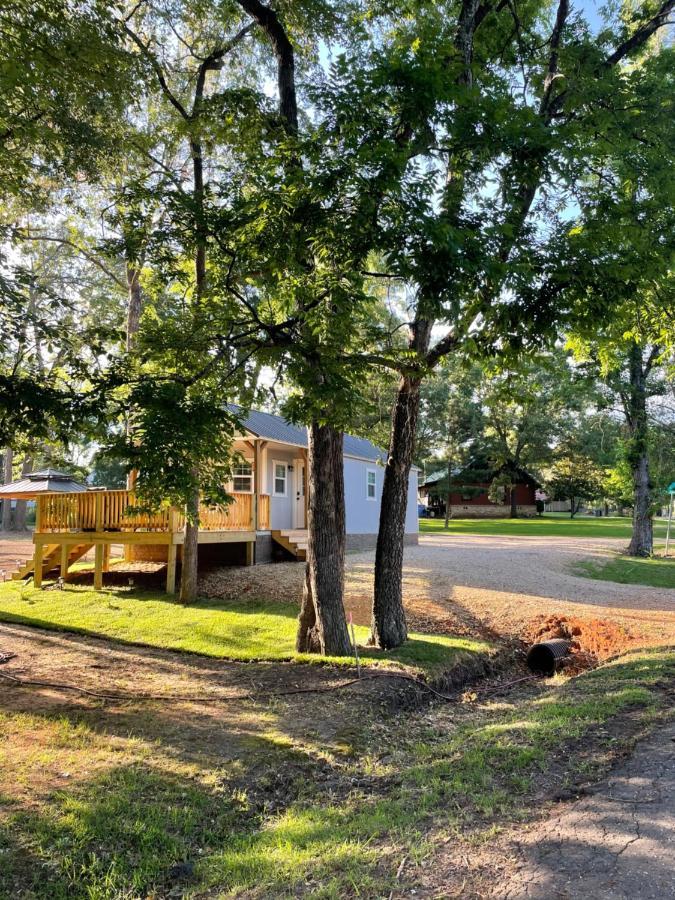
x,y
134,308
188,571
20,508
388,627
447,498
7,477
642,540
326,628
573,507
307,639
514,503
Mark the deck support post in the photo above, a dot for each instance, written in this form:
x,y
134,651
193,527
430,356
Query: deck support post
x,y
305,459
37,566
172,552
250,553
106,557
256,485
65,553
98,567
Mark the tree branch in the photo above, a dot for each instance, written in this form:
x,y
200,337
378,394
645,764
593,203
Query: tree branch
x,y
641,35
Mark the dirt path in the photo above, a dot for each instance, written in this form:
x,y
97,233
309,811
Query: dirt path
x,y
617,844
14,549
455,582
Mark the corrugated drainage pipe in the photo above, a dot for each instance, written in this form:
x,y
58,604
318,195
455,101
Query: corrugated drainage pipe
x,y
546,658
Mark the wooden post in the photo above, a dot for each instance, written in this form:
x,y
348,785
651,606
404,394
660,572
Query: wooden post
x,y
171,568
65,552
38,515
99,512
256,485
106,557
250,553
98,567
37,566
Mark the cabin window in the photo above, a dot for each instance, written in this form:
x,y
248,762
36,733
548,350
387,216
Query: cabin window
x,y
242,478
280,478
371,484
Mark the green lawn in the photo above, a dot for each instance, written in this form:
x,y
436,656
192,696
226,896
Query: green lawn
x,y
246,630
627,570
550,525
137,804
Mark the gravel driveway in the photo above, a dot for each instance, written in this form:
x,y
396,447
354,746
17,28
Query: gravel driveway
x,y
481,580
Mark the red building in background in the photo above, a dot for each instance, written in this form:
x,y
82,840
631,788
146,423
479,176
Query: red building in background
x,y
468,492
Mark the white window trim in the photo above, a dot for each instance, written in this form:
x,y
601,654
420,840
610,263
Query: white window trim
x,y
248,462
275,463
368,497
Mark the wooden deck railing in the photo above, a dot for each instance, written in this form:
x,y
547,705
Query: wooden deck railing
x,y
116,511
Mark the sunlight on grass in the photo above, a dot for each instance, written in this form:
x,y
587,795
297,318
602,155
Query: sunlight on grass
x,y
248,630
655,572
540,526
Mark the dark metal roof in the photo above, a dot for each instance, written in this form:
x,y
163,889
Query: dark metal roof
x,y
51,474
480,471
276,428
49,481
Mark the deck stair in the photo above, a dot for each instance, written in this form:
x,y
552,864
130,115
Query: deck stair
x,y
294,540
51,560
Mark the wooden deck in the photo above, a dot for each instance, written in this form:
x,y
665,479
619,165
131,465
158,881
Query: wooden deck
x,y
67,525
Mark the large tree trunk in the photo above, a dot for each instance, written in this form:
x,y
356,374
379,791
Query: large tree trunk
x,y
307,638
642,540
7,477
189,571
325,629
388,625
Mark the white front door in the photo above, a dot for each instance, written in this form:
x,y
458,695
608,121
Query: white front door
x,y
299,506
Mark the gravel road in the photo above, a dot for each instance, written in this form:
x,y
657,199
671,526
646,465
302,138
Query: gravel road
x,y
481,580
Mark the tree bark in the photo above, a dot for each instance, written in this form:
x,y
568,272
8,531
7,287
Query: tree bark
x,y
7,477
388,627
188,571
642,540
324,581
21,506
307,639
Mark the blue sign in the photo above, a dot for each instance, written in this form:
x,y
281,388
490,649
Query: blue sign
x,y
671,488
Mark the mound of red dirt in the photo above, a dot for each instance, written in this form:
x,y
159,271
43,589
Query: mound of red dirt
x,y
592,640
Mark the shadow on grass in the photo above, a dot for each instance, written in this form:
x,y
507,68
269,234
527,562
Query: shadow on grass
x,y
121,833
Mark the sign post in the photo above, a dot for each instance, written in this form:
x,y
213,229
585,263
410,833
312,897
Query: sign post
x,y
671,492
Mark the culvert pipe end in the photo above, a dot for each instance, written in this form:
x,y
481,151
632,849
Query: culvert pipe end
x,y
547,657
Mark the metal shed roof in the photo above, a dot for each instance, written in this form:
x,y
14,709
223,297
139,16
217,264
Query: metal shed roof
x,y
48,481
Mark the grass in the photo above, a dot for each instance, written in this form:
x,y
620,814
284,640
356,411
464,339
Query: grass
x,y
654,572
550,525
248,630
452,773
